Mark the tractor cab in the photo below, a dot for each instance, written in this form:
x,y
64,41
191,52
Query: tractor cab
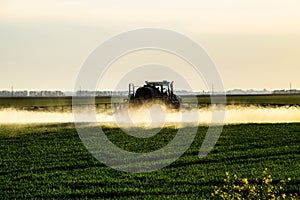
x,y
156,90
163,87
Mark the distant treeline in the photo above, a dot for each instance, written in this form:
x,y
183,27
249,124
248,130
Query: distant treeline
x,y
25,93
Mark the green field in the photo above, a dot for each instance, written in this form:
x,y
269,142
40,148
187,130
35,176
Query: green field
x,y
259,100
44,102
65,103
49,161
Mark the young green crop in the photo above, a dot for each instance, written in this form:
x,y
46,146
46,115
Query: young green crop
x,y
49,161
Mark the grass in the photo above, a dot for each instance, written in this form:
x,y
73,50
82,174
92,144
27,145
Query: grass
x,y
46,102
49,161
260,100
18,102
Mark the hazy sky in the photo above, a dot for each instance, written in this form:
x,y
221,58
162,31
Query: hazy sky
x,y
254,44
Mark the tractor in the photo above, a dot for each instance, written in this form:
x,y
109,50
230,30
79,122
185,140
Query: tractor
x,y
159,91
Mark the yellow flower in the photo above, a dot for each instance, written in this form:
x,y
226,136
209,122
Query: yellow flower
x,y
266,180
289,179
283,196
245,181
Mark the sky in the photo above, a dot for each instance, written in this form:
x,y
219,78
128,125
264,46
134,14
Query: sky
x,y
254,44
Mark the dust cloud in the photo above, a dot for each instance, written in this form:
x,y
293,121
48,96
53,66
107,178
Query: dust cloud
x,y
159,116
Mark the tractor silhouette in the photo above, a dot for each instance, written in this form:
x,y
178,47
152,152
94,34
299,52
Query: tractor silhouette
x,y
157,92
